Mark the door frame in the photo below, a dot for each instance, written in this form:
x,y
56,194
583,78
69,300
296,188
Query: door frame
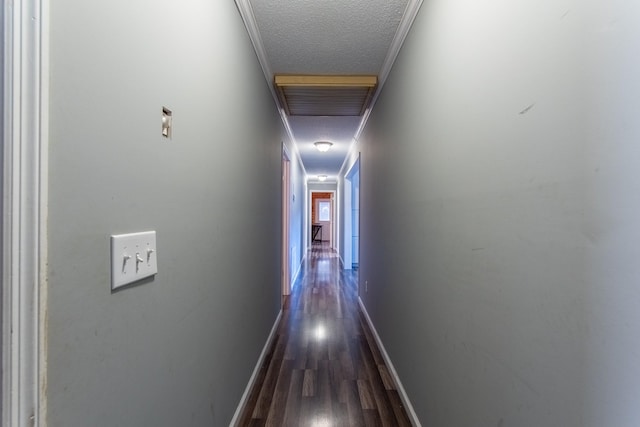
x,y
330,222
334,225
349,199
285,271
24,218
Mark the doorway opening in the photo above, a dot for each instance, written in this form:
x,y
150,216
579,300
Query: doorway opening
x,y
322,218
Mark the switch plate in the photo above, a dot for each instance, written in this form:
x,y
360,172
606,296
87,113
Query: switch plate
x,y
133,257
167,117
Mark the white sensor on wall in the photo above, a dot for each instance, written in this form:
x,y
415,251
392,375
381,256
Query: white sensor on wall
x,y
133,257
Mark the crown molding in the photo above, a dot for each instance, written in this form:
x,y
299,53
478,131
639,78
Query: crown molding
x,y
410,13
249,19
248,16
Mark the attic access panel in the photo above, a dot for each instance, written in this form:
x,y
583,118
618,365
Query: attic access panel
x,y
307,95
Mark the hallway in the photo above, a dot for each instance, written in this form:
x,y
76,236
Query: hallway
x,y
498,216
324,368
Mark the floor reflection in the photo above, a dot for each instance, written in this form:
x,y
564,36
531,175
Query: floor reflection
x,y
321,422
320,332
324,369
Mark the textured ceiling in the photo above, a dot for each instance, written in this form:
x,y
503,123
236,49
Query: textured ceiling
x,y
325,37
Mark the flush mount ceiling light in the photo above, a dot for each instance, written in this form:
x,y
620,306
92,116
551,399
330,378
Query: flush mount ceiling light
x,y
322,177
323,145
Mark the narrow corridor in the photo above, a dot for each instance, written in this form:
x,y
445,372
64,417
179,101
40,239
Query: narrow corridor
x,y
324,369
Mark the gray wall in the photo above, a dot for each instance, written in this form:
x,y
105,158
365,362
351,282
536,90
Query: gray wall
x,y
500,182
177,350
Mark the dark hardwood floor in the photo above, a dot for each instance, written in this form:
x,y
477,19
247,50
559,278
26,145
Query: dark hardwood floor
x,y
324,368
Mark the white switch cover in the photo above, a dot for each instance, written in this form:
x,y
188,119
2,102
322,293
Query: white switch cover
x,y
133,257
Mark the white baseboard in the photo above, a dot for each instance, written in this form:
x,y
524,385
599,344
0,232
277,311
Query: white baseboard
x,y
403,394
254,375
295,276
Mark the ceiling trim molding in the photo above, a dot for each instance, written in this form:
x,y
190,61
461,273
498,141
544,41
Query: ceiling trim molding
x,y
249,19
410,13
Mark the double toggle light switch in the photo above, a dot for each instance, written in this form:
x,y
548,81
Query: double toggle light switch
x,y
133,257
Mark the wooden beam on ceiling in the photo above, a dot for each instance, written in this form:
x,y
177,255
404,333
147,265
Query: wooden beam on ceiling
x,y
325,95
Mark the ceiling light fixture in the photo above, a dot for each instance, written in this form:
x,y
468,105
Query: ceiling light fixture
x,y
323,145
322,177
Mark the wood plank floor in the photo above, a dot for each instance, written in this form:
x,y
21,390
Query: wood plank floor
x,y
324,368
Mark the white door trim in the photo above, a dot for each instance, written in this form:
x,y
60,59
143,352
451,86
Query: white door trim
x,y
334,221
347,236
328,224
349,224
286,221
24,222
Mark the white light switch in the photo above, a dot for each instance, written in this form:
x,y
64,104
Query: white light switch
x,y
133,257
